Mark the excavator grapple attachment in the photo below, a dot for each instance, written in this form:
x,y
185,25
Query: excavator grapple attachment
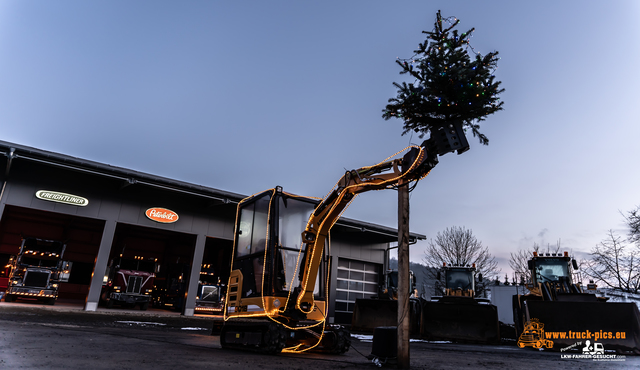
x,y
614,324
460,319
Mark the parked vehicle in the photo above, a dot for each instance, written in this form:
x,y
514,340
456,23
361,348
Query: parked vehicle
x,y
129,282
37,271
210,298
458,315
382,310
170,286
563,306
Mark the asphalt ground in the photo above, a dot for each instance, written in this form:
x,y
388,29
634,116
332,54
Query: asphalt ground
x,y
63,336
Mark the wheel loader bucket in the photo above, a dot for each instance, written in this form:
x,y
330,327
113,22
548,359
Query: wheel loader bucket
x,y
369,314
615,325
460,319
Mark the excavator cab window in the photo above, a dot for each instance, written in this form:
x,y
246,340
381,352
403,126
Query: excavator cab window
x,y
293,215
252,233
551,270
251,241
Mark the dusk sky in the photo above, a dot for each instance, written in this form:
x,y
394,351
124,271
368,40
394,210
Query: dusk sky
x,y
246,95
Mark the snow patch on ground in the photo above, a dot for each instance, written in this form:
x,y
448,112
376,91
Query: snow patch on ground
x,y
369,338
362,337
143,323
194,329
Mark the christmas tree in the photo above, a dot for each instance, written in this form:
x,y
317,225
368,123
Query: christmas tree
x,y
450,86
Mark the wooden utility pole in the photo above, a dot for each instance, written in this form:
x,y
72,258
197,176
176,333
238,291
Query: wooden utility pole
x,y
404,285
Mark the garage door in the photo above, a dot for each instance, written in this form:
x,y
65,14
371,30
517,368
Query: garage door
x,y
356,279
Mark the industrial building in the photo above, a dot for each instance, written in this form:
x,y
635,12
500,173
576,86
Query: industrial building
x,y
101,211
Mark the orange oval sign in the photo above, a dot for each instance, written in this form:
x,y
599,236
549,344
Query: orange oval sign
x,y
166,216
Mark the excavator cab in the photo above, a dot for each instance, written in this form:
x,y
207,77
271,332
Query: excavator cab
x,y
268,245
263,310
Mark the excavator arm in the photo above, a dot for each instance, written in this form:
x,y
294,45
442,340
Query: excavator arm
x,y
413,166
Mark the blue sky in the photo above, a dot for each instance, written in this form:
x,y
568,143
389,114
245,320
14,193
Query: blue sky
x,y
243,96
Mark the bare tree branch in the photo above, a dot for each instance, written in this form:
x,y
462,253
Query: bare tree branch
x,y
519,262
614,264
633,221
458,246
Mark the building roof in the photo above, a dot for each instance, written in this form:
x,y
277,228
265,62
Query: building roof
x,y
21,152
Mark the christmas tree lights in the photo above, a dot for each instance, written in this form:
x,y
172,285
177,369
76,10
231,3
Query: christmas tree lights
x,y
449,86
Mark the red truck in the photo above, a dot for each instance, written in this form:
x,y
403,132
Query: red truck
x,y
129,282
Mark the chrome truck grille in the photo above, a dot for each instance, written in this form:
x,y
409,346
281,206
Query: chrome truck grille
x,y
36,279
134,284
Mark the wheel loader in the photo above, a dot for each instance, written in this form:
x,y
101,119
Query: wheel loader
x,y
457,315
277,292
570,313
370,313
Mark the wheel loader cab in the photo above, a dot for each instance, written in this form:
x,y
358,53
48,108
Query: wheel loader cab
x,y
460,279
551,269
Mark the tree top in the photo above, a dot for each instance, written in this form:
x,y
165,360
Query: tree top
x,y
449,84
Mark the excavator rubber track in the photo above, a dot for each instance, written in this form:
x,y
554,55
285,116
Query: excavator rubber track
x,y
336,340
259,336
269,337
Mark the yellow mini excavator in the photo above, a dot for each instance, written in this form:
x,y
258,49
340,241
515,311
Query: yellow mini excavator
x,y
278,286
571,314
